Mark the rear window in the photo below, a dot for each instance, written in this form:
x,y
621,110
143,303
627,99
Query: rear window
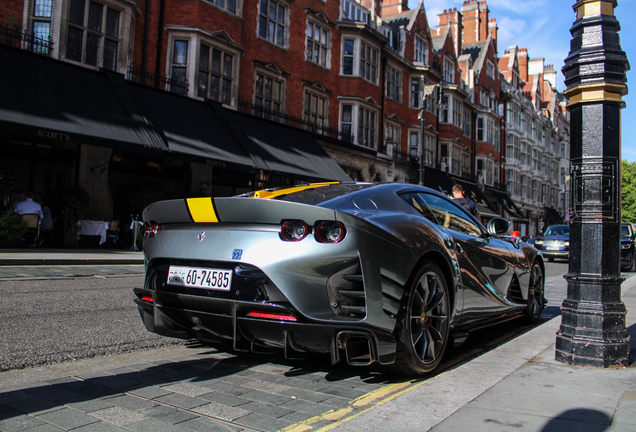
x,y
314,195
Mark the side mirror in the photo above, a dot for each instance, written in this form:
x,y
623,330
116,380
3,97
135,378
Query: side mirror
x,y
498,226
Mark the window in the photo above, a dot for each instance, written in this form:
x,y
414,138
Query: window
x,y
41,25
414,144
497,137
446,213
456,160
543,194
449,71
366,127
368,62
490,125
522,121
522,155
522,186
215,74
392,139
179,65
443,114
429,150
355,117
268,96
228,5
534,190
457,113
543,165
354,11
535,159
347,57
562,175
552,171
534,130
466,123
271,24
480,129
510,148
93,34
315,113
416,92
421,51
317,44
490,69
393,84
562,149
543,140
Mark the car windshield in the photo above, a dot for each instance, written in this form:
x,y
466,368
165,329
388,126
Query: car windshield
x,y
558,230
625,230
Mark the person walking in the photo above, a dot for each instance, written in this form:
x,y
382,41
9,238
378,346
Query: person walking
x,y
468,204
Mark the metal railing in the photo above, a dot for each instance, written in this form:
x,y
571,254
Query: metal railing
x,y
282,117
158,81
24,40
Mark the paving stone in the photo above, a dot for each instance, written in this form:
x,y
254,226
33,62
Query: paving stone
x,y
91,405
297,417
67,418
99,427
343,392
222,412
187,389
118,416
306,385
149,392
264,423
153,425
269,410
268,398
20,423
46,428
34,405
130,402
224,398
181,401
56,394
266,386
93,391
335,402
306,407
114,382
167,414
225,387
203,424
307,395
14,396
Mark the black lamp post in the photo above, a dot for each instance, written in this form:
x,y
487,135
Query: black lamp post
x,y
592,331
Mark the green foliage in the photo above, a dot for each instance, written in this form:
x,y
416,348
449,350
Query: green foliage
x,y
628,191
8,181
12,227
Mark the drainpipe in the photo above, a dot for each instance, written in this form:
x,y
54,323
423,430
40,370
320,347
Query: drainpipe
x,y
144,53
384,63
159,42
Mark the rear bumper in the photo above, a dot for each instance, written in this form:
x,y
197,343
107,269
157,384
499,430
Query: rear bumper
x,y
213,319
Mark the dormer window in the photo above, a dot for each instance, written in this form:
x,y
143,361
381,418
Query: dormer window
x,y
449,71
421,51
354,11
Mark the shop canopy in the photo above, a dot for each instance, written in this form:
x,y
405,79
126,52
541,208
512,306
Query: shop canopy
x,y
507,204
473,192
40,96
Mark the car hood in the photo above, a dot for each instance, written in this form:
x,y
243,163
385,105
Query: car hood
x,y
548,238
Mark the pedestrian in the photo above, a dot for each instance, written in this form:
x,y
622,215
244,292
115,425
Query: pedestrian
x,y
468,204
26,205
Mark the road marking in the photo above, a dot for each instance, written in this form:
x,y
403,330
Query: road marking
x,y
359,406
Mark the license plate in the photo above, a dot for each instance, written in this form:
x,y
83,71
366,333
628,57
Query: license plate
x,y
553,248
199,277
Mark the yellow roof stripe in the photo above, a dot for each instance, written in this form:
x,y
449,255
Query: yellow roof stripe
x,y
201,209
273,194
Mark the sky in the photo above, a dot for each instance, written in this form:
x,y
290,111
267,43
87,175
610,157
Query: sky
x,y
543,27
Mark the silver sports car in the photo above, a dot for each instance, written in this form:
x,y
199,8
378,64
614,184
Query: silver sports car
x,y
386,273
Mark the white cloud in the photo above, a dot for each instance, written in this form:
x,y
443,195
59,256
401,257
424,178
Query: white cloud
x,y
509,31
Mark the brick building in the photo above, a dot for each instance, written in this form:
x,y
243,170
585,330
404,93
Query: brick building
x,y
385,96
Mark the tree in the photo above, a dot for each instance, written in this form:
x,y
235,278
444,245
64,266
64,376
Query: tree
x,y
628,191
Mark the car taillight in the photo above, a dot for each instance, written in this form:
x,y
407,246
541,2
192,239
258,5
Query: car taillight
x,y
273,316
294,230
151,229
330,232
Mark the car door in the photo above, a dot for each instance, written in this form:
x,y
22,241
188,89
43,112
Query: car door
x,y
486,263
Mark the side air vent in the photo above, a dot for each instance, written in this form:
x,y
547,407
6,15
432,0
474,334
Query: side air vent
x,y
346,293
514,291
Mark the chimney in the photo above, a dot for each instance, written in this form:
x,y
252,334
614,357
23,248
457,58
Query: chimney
x,y
484,23
492,31
392,7
522,55
451,18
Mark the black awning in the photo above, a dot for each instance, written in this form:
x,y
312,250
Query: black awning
x,y
286,149
438,180
44,97
507,204
192,129
553,215
473,192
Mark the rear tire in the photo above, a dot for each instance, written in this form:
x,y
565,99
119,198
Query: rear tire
x,y
536,291
424,323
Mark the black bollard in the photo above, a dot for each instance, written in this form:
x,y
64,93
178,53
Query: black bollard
x,y
592,331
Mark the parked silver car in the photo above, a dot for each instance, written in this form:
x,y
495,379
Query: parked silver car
x,y
385,273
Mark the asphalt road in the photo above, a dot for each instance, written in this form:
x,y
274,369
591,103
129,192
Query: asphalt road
x,y
51,315
45,321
